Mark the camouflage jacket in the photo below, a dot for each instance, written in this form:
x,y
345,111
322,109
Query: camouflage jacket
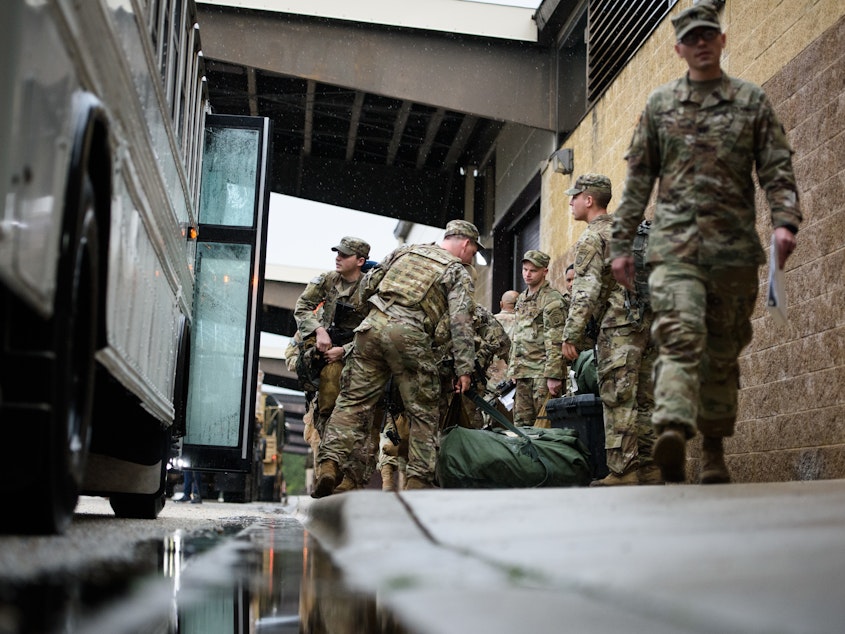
x,y
490,339
507,320
595,292
318,305
703,149
538,335
452,283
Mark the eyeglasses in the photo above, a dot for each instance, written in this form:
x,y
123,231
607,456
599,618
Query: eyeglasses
x,y
691,38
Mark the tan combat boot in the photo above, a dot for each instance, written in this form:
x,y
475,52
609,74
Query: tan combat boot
x,y
416,483
670,453
387,483
329,477
347,484
713,467
612,480
650,474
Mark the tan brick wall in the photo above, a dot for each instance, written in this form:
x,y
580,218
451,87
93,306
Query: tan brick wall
x,y
791,422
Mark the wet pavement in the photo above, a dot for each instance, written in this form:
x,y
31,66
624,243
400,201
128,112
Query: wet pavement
x,y
757,558
733,558
213,568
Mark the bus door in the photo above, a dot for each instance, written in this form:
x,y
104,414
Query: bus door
x,y
229,272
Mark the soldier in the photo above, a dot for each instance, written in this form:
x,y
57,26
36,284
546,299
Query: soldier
x,y
624,354
569,279
491,342
507,314
498,370
536,363
407,294
325,319
702,136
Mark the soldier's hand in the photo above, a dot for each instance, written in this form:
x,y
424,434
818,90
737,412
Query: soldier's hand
x,y
334,354
463,383
555,386
324,342
569,351
623,270
785,243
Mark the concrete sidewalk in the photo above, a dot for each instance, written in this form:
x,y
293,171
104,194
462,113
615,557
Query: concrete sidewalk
x,y
721,559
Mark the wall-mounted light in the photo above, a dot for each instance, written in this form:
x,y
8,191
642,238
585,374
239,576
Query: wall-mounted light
x,y
563,161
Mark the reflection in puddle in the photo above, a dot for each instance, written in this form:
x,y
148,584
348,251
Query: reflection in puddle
x,y
272,577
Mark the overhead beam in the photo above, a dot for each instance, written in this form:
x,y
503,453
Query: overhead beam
x,y
398,131
430,134
308,127
422,196
487,77
352,137
460,142
252,92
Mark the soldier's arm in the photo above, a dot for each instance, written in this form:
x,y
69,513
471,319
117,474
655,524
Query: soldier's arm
x,y
643,160
553,323
586,290
458,285
773,157
305,311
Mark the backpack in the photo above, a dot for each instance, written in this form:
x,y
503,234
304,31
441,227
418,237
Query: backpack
x,y
637,302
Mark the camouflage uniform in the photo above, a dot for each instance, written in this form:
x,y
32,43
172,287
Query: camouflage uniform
x,y
536,350
703,142
491,342
408,293
498,370
624,354
327,291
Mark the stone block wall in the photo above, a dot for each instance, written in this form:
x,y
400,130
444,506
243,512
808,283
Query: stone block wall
x,y
791,423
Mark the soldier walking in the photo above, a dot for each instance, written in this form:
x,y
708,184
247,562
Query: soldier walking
x,y
702,136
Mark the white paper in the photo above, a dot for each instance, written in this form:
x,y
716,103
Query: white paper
x,y
776,300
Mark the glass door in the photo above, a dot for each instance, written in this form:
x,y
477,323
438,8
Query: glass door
x,y
229,272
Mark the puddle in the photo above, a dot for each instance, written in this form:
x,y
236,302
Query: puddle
x,y
272,577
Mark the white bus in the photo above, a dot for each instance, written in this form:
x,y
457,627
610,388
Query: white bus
x,y
103,123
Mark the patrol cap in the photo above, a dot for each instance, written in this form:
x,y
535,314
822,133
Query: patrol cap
x,y
463,228
537,258
353,246
703,14
593,182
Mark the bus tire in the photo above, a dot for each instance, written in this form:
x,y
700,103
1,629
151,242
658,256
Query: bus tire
x,y
58,355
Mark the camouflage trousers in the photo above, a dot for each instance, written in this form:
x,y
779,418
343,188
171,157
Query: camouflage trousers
x,y
625,362
385,347
327,394
702,321
531,394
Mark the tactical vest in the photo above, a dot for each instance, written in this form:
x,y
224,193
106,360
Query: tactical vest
x,y
411,281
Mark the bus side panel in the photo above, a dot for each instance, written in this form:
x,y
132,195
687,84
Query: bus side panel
x,y
37,119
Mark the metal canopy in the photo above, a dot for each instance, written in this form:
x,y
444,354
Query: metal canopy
x,y
372,118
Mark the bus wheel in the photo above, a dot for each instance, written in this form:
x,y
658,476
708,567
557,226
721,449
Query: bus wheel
x,y
67,343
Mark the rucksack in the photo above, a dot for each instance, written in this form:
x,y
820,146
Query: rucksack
x,y
637,302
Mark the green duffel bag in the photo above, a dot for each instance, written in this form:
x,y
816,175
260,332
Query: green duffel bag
x,y
586,373
499,459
